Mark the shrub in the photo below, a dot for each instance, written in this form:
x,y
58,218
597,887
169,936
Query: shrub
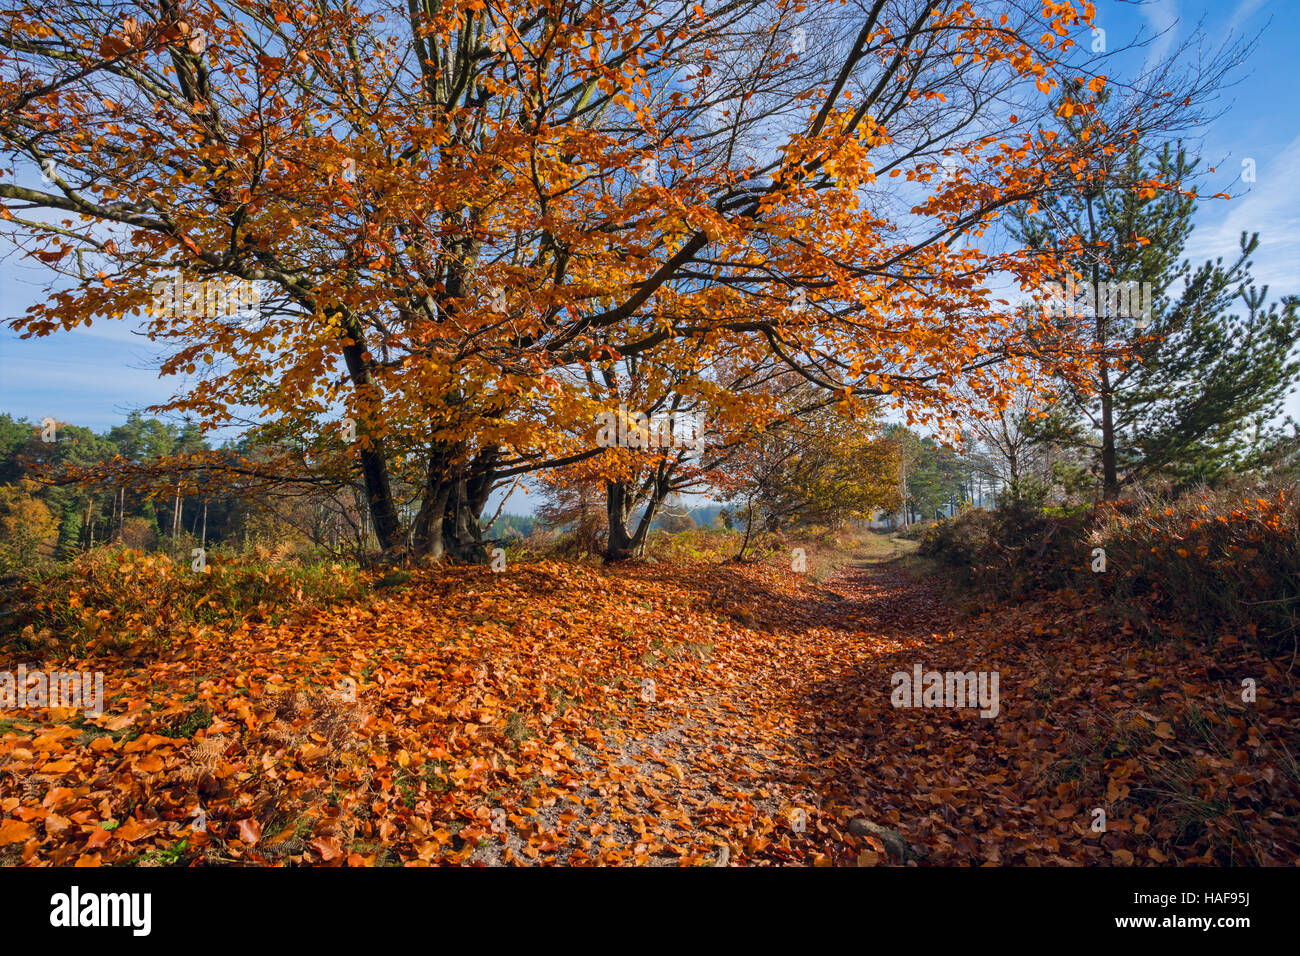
x,y
694,544
1017,549
1212,562
916,531
1224,560
139,534
122,599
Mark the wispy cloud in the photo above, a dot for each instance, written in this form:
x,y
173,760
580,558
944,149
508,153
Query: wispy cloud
x,y
1243,12
1162,18
1271,208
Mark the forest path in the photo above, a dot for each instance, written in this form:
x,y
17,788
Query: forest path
x,y
788,733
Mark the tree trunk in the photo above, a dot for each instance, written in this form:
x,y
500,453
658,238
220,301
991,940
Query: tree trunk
x,y
619,505
618,508
176,513
648,516
448,522
1109,467
379,497
373,461
905,510
749,527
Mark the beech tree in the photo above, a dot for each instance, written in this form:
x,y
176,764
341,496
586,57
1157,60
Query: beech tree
x,y
822,473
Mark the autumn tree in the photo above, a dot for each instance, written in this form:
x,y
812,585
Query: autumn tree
x,y
820,463
573,508
678,426
27,528
652,440
35,451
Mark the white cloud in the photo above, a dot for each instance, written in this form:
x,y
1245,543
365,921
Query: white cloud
x,y
1243,12
1271,208
1162,17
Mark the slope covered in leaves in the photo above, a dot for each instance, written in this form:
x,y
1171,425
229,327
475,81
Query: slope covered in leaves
x,y
691,714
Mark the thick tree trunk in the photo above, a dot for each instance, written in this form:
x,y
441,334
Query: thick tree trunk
x,y
618,508
379,497
643,526
448,524
619,505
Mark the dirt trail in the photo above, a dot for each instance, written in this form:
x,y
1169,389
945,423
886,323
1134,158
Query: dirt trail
x,y
786,736
792,734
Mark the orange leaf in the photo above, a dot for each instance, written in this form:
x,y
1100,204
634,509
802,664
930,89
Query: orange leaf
x,y
134,830
328,849
15,831
250,831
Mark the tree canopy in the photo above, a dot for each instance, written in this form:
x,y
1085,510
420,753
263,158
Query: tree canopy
x,y
453,210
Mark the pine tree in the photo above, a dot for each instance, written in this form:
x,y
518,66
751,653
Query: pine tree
x,y
1193,388
932,477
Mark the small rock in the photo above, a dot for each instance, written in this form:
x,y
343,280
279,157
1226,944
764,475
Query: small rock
x,y
893,841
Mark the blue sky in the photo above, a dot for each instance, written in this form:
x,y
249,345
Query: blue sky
x,y
95,376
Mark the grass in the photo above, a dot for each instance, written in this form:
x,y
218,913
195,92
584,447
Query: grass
x,y
392,579
196,721
517,728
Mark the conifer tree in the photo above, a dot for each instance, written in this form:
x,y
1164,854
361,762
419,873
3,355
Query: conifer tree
x,y
1191,389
